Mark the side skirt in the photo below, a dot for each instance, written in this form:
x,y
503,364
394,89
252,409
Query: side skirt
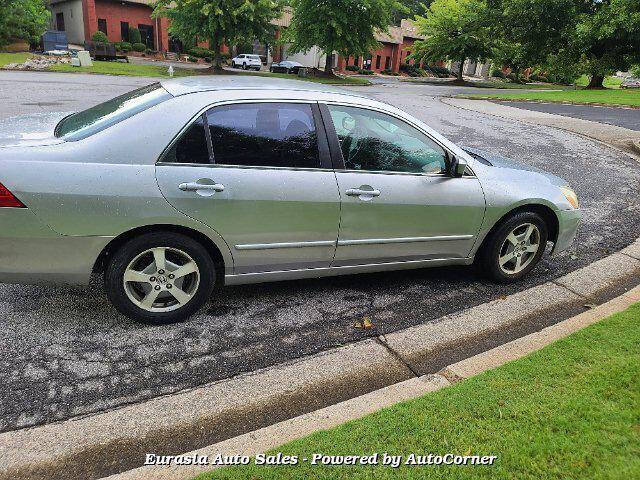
x,y
245,278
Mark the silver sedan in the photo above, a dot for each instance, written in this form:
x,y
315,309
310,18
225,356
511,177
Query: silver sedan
x,y
181,186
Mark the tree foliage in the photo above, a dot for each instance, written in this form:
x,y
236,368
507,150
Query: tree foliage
x,y
596,37
23,20
455,30
344,26
220,21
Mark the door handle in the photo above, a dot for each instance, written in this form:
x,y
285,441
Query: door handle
x,y
195,186
357,192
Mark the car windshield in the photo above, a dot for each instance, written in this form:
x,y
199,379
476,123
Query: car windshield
x,y
88,122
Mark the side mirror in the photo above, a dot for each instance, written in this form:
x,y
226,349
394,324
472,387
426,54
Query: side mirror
x,y
457,167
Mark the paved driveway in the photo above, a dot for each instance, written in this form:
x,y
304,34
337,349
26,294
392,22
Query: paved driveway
x,y
622,117
67,352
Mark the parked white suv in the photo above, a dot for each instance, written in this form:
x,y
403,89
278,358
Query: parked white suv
x,y
247,61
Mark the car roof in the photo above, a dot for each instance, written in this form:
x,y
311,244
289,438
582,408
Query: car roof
x,y
207,83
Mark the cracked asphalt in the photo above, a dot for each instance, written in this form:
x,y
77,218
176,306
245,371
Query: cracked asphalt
x,y
67,352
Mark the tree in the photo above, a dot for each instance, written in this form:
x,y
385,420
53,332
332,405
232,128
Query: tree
x,y
23,20
512,55
344,26
455,30
220,21
596,37
606,38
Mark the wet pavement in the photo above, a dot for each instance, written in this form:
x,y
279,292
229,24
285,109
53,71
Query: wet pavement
x,y
67,352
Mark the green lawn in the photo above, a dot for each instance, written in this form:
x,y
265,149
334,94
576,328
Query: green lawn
x,y
6,58
597,97
568,411
609,82
121,68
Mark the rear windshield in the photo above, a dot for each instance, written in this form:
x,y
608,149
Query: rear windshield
x,y
84,124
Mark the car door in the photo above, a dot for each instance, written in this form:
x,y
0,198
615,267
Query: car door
x,y
259,174
398,204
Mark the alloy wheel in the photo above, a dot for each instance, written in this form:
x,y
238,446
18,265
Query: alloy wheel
x,y
161,279
519,248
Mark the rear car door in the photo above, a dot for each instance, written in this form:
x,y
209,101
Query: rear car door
x,y
259,174
398,204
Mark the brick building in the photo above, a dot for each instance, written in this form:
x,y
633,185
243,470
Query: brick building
x,y
80,19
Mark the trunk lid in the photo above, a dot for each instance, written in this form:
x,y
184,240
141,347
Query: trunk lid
x,y
30,130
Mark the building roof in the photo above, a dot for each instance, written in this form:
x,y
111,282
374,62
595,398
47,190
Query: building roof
x,y
204,83
409,29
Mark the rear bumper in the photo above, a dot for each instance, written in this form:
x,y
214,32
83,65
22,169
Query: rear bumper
x,y
568,221
30,252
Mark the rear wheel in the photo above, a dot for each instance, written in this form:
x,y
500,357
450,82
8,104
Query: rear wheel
x,y
514,248
160,278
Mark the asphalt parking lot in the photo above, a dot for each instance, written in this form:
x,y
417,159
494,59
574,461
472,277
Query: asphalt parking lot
x,y
622,117
67,352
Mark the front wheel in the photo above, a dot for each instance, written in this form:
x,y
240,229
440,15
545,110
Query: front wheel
x,y
514,248
160,278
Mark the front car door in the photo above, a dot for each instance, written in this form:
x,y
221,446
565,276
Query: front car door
x,y
259,174
398,204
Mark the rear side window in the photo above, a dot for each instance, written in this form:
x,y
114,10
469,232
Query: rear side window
x,y
88,122
264,135
191,147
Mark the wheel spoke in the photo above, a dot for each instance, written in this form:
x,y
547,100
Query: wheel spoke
x,y
533,248
159,258
506,258
135,276
527,234
518,264
512,239
185,269
181,296
151,297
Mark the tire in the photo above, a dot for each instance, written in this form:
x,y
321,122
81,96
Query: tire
x,y
244,66
505,258
233,65
138,259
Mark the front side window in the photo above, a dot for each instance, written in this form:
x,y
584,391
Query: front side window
x,y
374,141
88,122
264,135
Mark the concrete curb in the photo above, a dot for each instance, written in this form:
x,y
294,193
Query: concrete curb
x,y
278,434
618,137
117,440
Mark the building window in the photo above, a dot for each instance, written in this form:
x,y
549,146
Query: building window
x,y
146,35
124,31
102,25
60,21
378,62
387,63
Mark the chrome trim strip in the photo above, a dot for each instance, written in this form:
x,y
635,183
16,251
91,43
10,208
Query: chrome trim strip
x,y
244,278
269,246
373,241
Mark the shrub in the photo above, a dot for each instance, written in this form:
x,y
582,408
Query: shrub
x,y
192,59
139,47
497,73
201,52
124,46
364,71
134,35
352,68
99,37
207,59
440,71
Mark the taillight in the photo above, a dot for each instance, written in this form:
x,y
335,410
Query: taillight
x,y
8,199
